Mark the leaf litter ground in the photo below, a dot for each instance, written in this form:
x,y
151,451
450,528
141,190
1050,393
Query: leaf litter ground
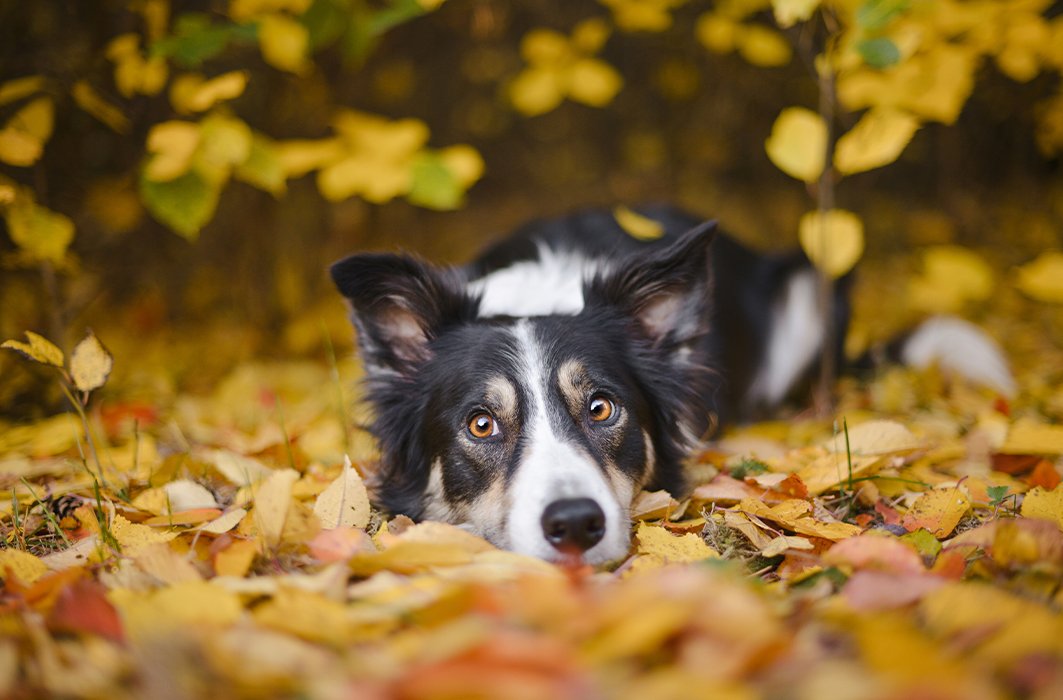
x,y
186,537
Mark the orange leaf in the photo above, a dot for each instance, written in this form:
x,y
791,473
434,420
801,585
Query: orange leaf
x,y
83,607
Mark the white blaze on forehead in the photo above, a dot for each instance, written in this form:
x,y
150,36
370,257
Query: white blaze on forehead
x,y
552,468
553,284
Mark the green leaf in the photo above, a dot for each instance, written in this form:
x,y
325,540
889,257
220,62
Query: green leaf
x,y
326,20
875,15
263,168
879,53
185,204
997,494
197,39
434,185
747,467
924,542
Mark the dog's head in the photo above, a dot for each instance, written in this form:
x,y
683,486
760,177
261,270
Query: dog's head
x,y
535,432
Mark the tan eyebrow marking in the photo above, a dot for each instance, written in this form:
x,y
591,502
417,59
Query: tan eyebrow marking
x,y
503,394
572,380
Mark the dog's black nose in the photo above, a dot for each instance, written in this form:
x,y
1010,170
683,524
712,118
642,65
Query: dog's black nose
x,y
573,525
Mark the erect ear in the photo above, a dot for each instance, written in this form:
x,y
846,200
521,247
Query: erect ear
x,y
667,293
398,305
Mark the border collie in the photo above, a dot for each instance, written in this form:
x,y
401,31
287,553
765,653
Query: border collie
x,y
530,395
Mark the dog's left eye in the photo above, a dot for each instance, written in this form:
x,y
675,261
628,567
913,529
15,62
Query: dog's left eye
x,y
482,425
600,409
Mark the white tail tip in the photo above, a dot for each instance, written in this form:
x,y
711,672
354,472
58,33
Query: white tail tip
x,y
960,347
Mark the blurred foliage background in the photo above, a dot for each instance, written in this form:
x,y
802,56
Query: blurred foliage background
x,y
186,171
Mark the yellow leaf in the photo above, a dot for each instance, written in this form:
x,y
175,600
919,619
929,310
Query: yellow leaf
x,y
42,233
298,157
788,12
1042,279
311,616
165,564
345,502
25,567
717,33
877,140
133,74
938,511
833,240
187,605
193,93
244,10
590,35
90,363
236,559
544,46
636,225
465,162
796,515
133,537
875,437
832,470
23,137
39,349
763,46
284,42
15,90
536,91
224,142
273,498
654,540
1044,504
593,82
951,277
1028,437
92,102
798,143
172,144
225,522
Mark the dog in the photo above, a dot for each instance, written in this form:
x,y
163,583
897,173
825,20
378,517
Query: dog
x,y
531,394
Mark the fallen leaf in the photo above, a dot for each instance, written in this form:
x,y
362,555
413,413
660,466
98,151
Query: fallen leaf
x,y
273,498
796,515
1044,504
656,541
937,510
873,591
345,502
781,544
82,607
24,566
875,552
339,544
1028,437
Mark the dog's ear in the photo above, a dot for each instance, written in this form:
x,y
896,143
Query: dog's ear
x,y
399,305
668,292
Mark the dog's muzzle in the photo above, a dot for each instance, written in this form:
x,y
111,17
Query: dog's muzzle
x,y
573,525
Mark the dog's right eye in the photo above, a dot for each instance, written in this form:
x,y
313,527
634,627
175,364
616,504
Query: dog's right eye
x,y
483,425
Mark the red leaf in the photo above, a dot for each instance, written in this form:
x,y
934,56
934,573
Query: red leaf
x,y
83,607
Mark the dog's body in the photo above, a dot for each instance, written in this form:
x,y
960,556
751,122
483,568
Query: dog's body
x,y
530,395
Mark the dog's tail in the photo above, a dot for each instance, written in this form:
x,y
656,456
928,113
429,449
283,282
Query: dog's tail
x,y
956,346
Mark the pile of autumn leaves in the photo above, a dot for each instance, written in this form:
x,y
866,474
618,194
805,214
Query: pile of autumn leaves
x,y
221,546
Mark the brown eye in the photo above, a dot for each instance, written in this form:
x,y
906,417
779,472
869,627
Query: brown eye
x,y
600,409
482,425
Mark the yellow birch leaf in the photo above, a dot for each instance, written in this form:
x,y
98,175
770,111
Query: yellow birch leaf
x,y
409,557
15,90
344,502
225,522
273,498
789,12
42,233
308,615
19,148
834,469
535,91
638,226
194,93
833,240
544,46
133,537
244,10
298,157
593,82
172,144
90,363
717,33
781,544
284,42
875,437
763,46
1028,437
23,565
1042,503
186,605
236,559
185,494
590,35
1042,279
796,515
878,139
92,102
798,143
938,511
38,348
162,562
465,162
654,540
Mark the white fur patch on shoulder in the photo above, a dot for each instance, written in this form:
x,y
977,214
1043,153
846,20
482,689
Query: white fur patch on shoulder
x,y
796,337
961,347
553,284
